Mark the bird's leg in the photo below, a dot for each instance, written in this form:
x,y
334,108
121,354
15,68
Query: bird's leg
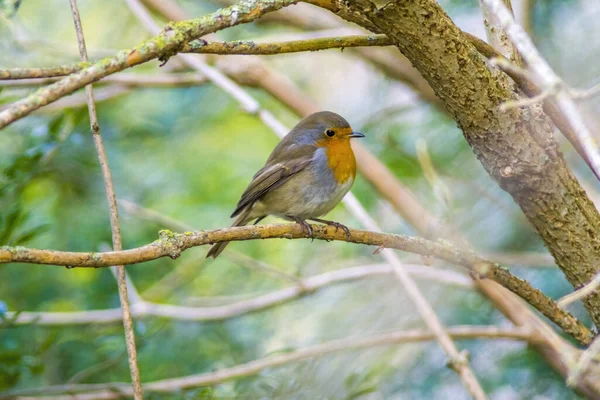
x,y
259,219
333,223
306,228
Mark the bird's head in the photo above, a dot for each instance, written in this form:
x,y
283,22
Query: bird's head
x,y
324,129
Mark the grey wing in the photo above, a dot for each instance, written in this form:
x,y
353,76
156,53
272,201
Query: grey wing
x,y
268,178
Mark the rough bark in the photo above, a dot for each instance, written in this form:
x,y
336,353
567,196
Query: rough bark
x,y
517,147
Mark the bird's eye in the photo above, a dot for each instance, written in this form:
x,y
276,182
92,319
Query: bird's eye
x,y
329,132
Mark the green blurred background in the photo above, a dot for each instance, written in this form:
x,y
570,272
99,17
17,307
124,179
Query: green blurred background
x,y
188,153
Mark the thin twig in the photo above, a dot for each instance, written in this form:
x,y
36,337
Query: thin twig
x,y
114,214
526,259
528,101
581,94
261,302
423,306
579,294
577,372
118,390
124,79
173,244
43,72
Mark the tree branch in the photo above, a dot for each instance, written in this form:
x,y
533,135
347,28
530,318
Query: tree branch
x,y
124,79
248,47
517,148
114,214
245,47
172,244
580,293
166,43
545,78
44,72
120,390
307,286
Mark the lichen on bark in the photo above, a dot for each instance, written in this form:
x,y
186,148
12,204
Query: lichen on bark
x,y
517,148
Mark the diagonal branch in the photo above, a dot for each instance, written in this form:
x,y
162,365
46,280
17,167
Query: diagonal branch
x,y
162,46
114,214
173,244
120,390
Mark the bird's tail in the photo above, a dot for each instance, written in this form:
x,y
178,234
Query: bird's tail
x,y
218,248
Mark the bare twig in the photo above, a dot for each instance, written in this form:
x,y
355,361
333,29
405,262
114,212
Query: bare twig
x,y
545,78
172,244
119,390
124,79
114,215
583,364
528,101
579,294
144,309
581,94
294,46
247,47
528,259
496,35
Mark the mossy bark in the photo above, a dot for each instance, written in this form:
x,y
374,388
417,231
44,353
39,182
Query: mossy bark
x,y
517,147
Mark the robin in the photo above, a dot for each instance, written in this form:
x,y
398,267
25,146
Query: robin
x,y
305,177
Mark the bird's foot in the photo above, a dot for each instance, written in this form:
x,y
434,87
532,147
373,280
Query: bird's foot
x,y
336,224
306,228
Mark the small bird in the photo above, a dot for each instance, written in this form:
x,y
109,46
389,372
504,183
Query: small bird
x,y
306,176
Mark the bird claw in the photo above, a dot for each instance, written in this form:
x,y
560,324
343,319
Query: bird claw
x,y
343,227
306,228
339,226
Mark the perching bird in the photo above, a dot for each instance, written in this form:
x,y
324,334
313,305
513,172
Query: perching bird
x,y
305,177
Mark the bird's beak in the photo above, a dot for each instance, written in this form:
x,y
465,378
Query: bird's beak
x,y
356,135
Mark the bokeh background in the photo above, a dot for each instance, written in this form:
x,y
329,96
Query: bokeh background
x,y
187,153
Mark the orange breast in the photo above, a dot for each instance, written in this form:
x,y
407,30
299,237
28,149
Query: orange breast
x,y
340,158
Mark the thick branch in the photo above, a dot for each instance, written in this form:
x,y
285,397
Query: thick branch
x,y
168,42
119,390
172,244
517,148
